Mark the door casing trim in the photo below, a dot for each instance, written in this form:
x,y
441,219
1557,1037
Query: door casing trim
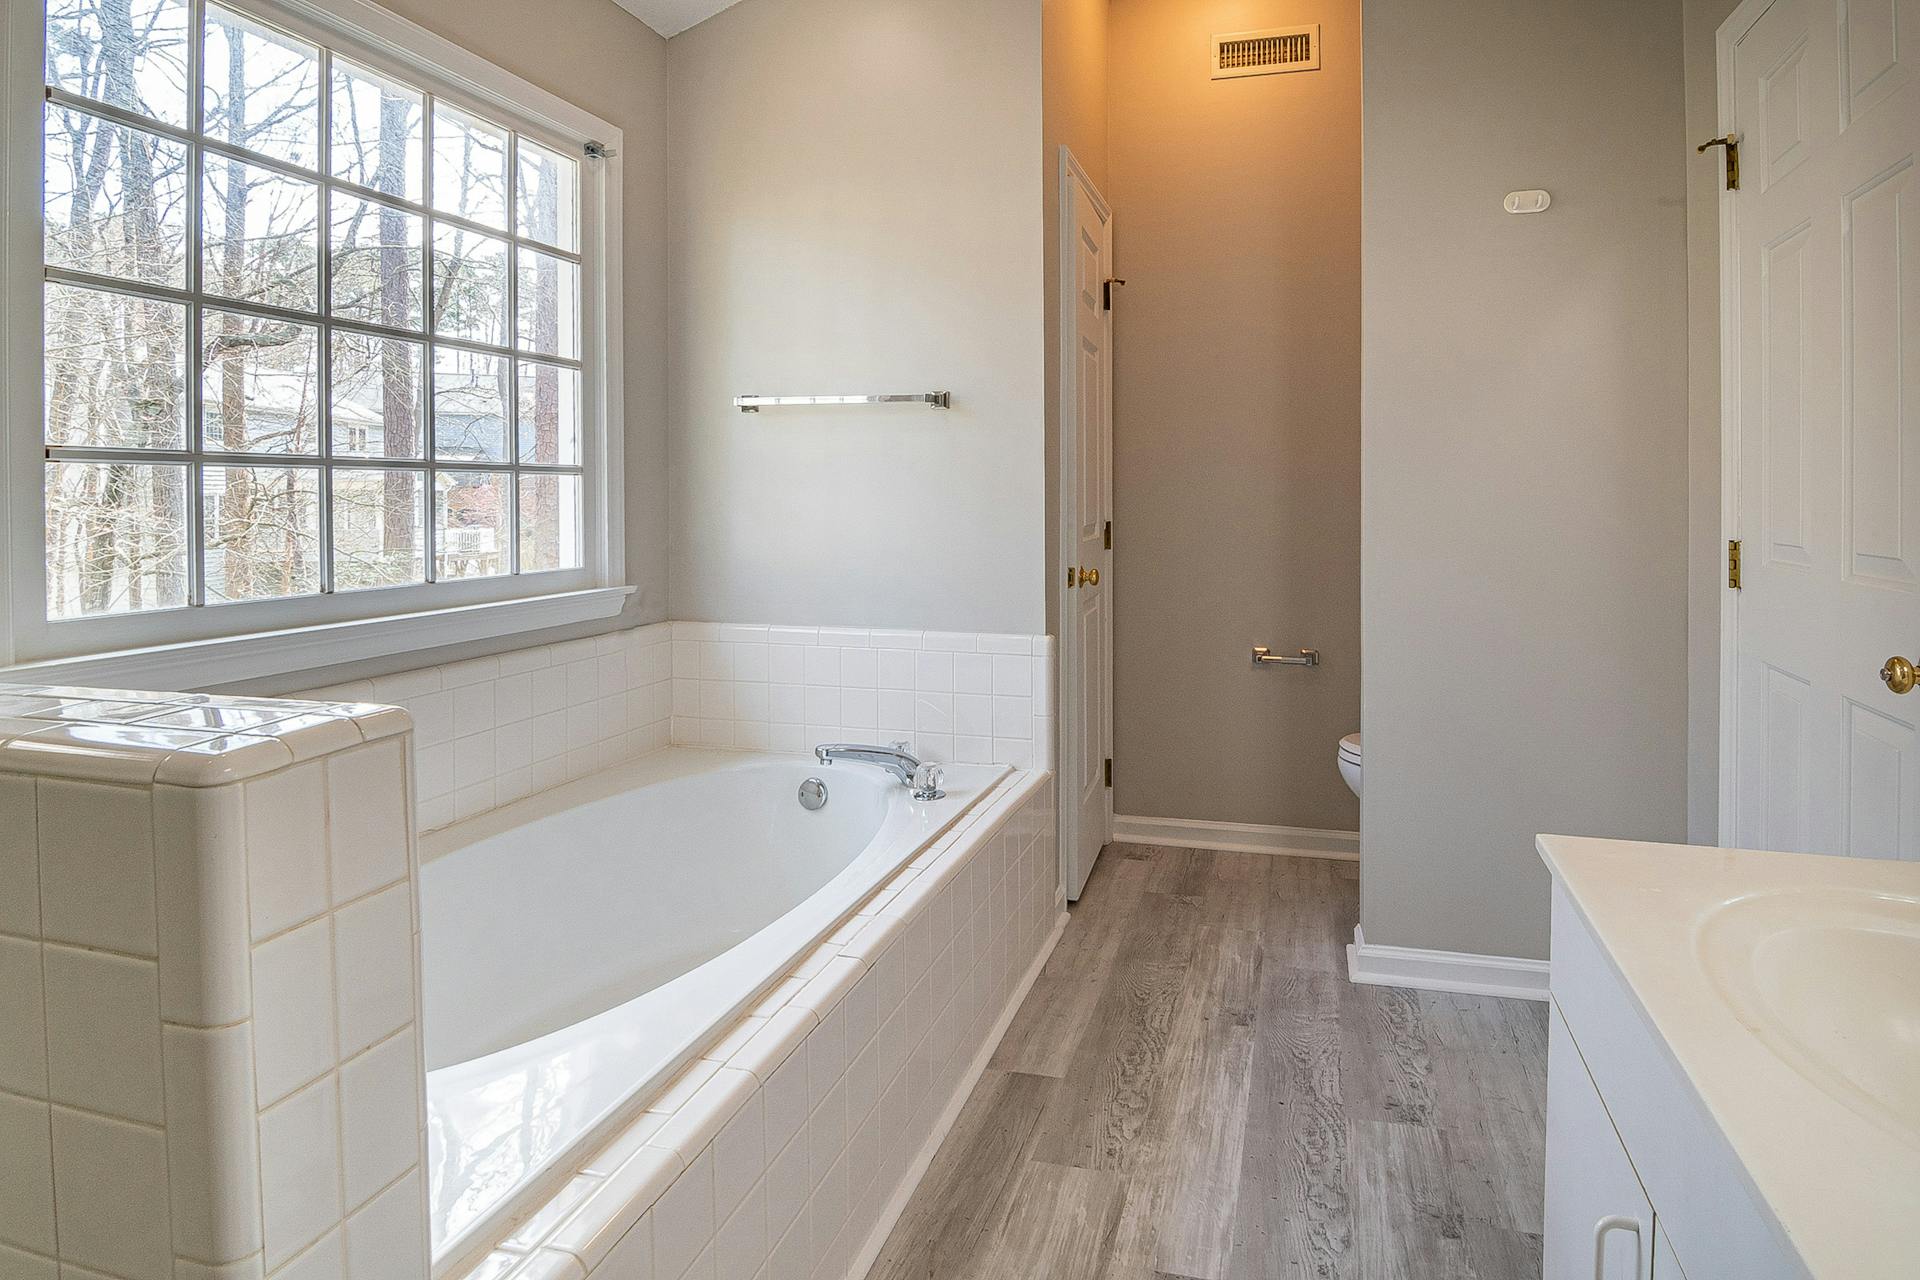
x,y
1738,23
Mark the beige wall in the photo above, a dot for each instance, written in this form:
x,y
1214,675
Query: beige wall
x,y
1073,114
1706,563
1237,416
1524,520
854,207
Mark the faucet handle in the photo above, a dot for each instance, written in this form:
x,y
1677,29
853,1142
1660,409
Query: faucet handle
x,y
926,782
902,745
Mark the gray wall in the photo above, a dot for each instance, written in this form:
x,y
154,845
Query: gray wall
x,y
853,207
1524,511
1236,416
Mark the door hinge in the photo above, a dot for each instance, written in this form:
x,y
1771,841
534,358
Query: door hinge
x,y
1733,564
1109,770
1732,143
1107,535
1106,292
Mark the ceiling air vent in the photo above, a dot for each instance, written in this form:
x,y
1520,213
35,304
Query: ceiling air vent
x,y
1265,53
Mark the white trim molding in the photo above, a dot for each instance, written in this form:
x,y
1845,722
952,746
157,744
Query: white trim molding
x,y
1377,965
1730,32
200,664
1238,837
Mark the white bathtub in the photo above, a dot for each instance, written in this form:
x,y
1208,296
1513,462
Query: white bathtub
x,y
580,946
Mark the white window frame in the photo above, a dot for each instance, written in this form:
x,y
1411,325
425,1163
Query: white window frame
x,y
195,646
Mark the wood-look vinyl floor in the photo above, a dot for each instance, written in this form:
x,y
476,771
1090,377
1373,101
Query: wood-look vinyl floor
x,y
1194,1091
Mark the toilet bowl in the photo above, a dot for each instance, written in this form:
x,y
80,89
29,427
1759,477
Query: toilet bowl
x,y
1350,761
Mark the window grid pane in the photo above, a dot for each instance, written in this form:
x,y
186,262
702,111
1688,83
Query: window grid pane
x,y
117,538
142,69
260,90
356,408
114,199
546,188
378,132
262,532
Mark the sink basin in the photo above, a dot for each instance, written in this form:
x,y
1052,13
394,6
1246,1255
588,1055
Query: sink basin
x,y
1829,980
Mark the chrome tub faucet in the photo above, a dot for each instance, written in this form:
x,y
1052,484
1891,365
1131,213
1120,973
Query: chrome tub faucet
x,y
895,759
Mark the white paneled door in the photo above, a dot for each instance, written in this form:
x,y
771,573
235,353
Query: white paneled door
x,y
1821,283
1086,479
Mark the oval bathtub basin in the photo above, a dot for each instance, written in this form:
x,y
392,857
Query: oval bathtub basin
x,y
580,946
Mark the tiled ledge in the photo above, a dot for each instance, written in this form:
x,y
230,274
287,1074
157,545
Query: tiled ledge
x,y
493,730
703,1182
209,1064
489,731
137,738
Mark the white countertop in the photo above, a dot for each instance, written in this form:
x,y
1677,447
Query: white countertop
x,y
1843,1184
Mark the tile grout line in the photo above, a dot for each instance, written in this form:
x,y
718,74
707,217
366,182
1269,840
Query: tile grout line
x,y
333,1010
167,1135
253,1066
46,1038
325,913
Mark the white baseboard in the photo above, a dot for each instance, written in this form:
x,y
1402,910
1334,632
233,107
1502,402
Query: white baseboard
x,y
897,1204
1239,837
1458,971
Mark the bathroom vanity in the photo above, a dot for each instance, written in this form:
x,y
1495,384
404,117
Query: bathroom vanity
x,y
1733,1084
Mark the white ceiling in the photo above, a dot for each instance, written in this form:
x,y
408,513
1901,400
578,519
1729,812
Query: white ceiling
x,y
671,17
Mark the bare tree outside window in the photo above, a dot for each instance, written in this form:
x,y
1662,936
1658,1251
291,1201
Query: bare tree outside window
x,y
307,328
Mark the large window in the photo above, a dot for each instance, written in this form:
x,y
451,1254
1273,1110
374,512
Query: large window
x,y
310,328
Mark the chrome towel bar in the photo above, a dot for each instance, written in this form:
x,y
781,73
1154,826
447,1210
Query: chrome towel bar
x,y
932,399
1262,656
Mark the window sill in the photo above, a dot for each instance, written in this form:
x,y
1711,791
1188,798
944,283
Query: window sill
x,y
200,664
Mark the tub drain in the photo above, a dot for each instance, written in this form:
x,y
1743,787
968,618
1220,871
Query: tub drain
x,y
813,794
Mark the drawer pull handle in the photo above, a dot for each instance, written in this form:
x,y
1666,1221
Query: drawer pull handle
x,y
1614,1222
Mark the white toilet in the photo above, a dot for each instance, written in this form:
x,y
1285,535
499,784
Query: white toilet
x,y
1350,761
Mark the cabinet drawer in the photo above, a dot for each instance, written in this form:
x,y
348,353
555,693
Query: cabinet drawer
x,y
1599,1222
1665,1265
1689,1172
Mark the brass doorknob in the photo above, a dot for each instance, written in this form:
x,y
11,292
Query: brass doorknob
x,y
1900,674
1089,577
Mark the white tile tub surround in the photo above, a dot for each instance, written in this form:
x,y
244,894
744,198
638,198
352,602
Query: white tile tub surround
x,y
787,1152
208,984
489,731
977,697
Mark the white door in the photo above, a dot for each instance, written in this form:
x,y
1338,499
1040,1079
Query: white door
x,y
1598,1220
1821,281
1086,504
